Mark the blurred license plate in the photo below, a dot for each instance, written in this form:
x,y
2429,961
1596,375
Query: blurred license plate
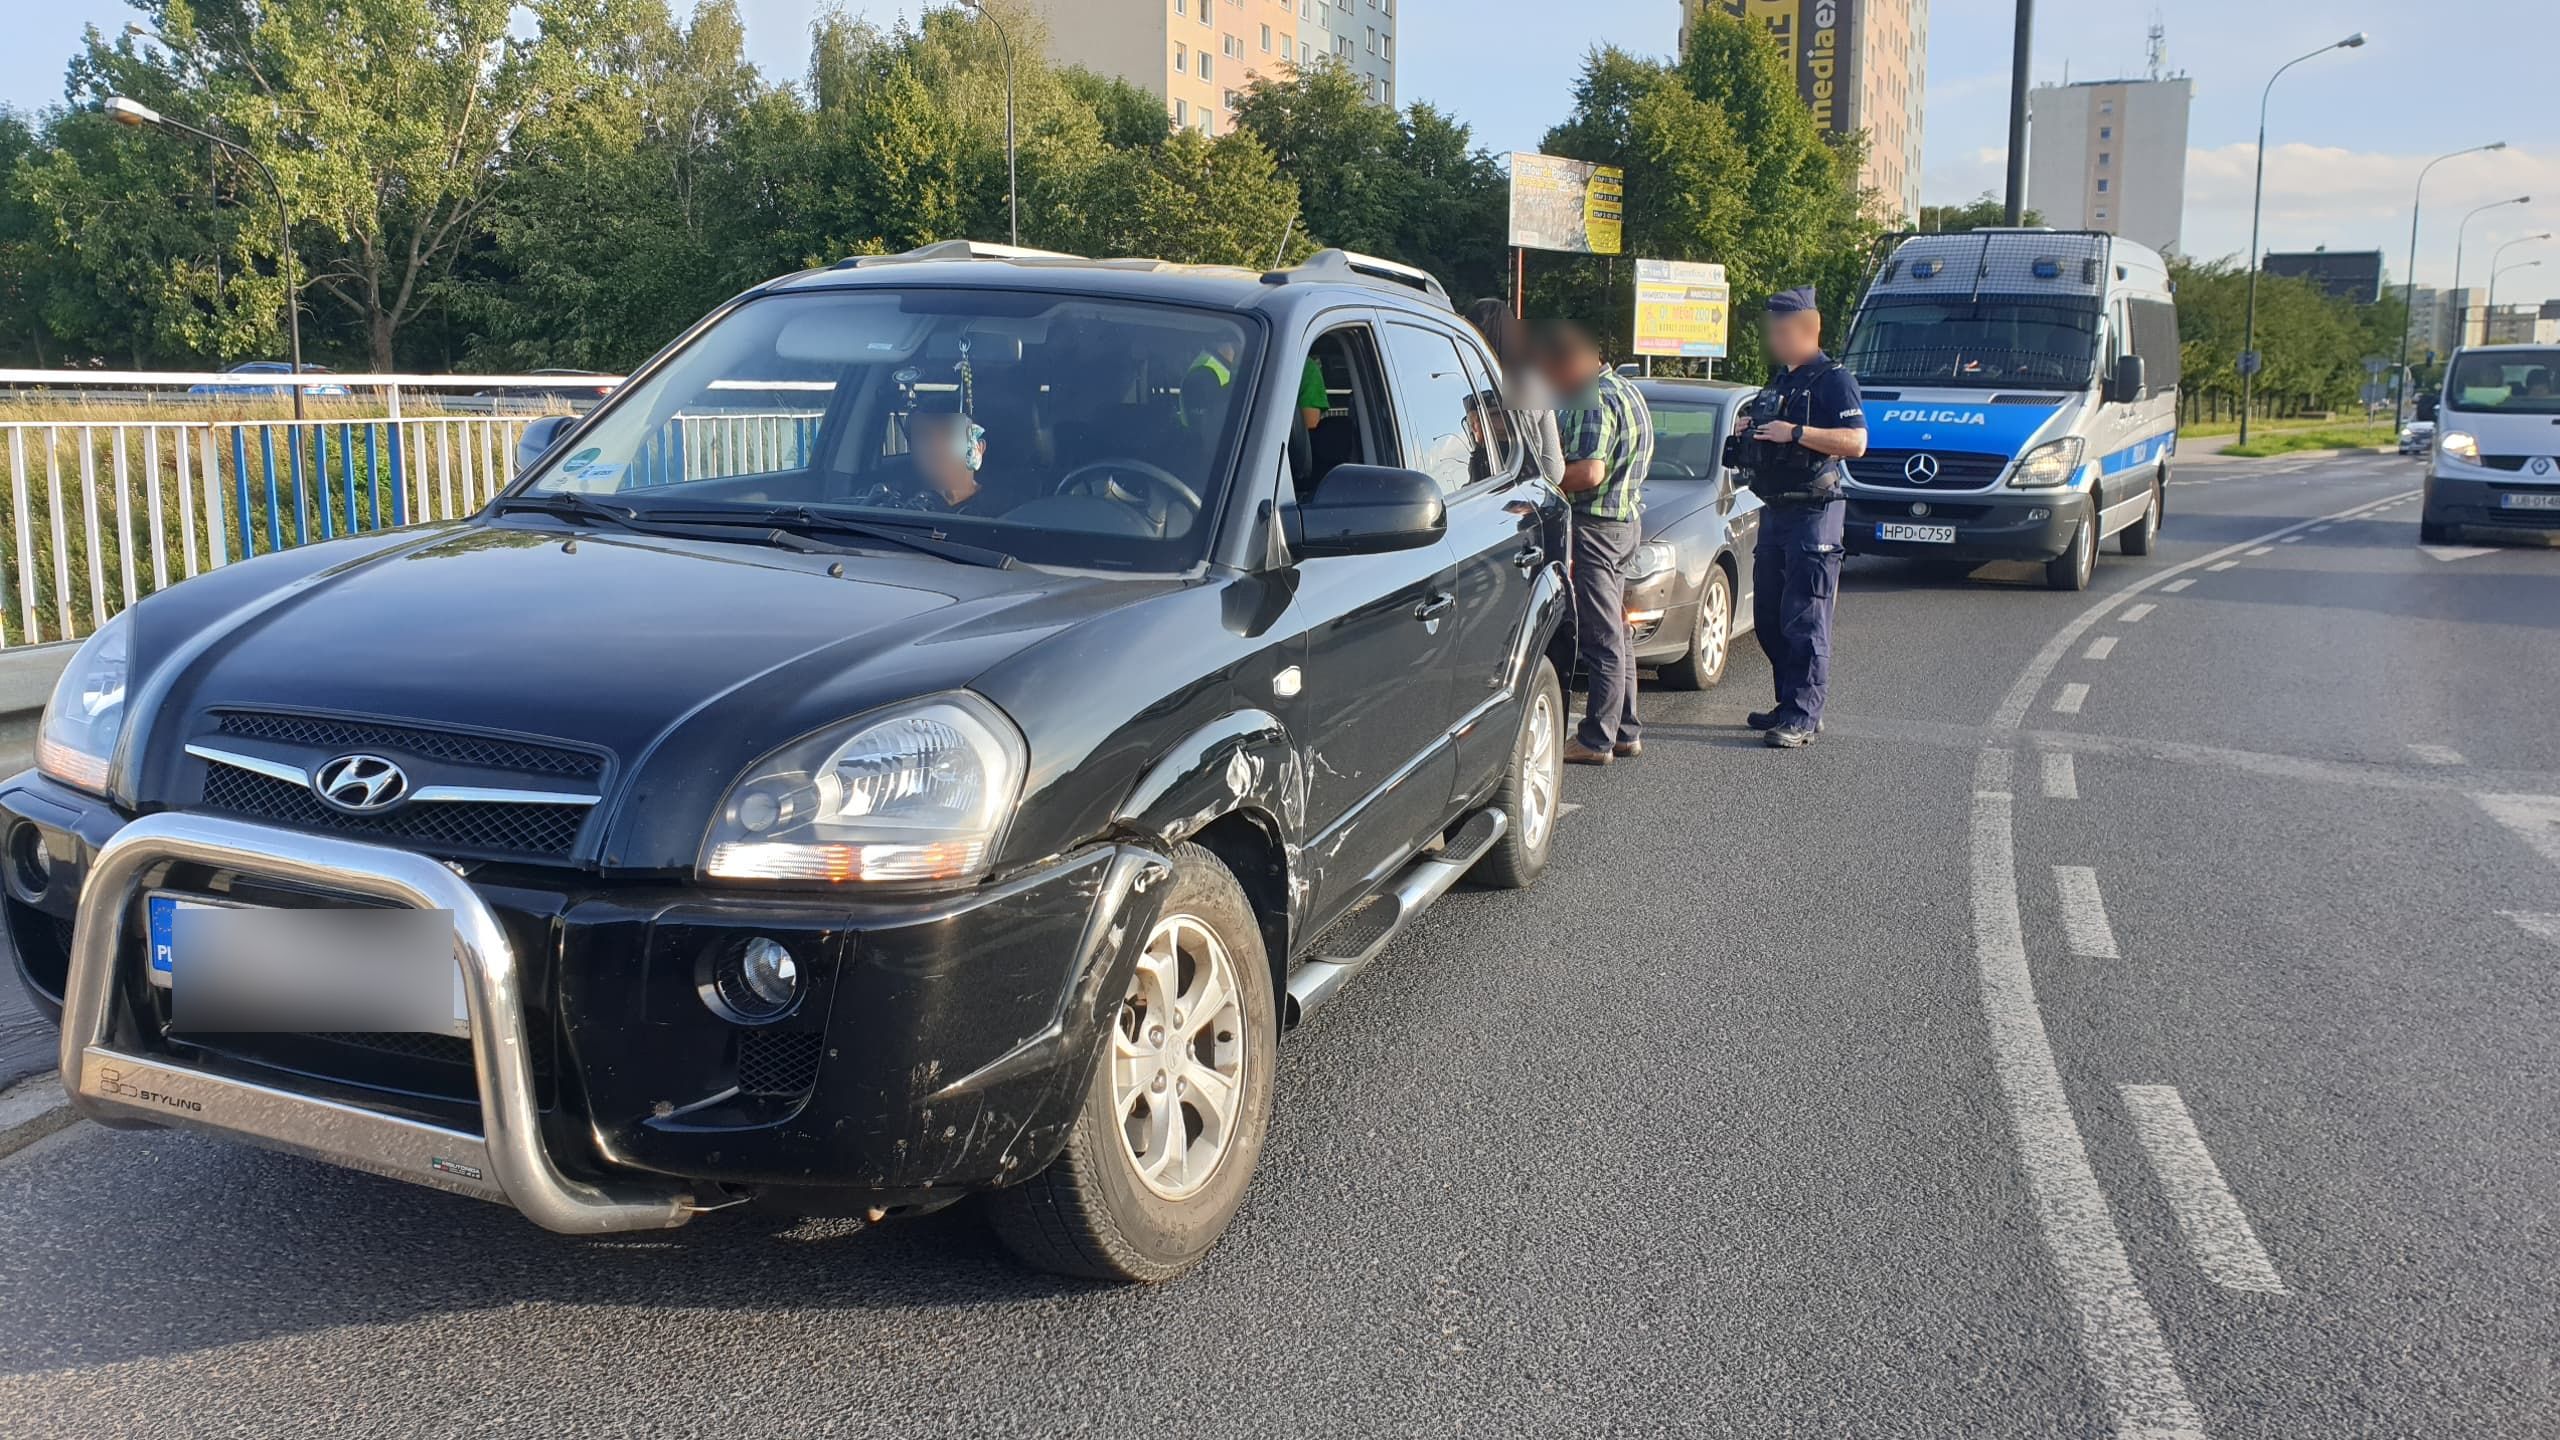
x,y
1926,534
235,967
2513,501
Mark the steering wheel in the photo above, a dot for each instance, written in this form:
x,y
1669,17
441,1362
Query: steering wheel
x,y
1163,482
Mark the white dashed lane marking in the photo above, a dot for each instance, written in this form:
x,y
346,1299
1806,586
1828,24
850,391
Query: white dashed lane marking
x,y
2437,754
2073,696
2290,540
2061,776
2133,614
2100,648
2084,914
2316,529
2534,818
2216,1229
2221,565
2538,923
2455,552
2262,550
2174,586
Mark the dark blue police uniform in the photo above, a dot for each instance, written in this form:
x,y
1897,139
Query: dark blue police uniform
x,y
1796,564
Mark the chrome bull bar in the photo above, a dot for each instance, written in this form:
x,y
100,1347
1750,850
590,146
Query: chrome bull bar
x,y
505,1163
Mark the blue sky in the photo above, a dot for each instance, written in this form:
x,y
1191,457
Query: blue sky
x,y
2348,131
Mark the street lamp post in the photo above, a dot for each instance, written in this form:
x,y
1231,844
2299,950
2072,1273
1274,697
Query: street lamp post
x,y
2489,320
2462,318
134,112
1012,189
2409,300
2249,363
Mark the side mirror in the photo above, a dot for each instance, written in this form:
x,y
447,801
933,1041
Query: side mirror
x,y
2125,386
1367,510
537,436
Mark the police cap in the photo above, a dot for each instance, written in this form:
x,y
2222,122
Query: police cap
x,y
1791,302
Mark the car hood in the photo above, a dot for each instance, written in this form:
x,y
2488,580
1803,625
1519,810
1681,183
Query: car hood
x,y
673,655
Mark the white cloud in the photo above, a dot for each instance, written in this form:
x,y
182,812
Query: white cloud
x,y
2352,200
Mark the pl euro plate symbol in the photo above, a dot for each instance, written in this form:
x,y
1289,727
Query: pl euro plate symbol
x,y
360,784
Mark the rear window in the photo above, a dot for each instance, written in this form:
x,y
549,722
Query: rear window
x,y
2514,382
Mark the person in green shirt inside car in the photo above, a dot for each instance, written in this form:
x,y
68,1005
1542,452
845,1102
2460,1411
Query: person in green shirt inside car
x,y
1215,370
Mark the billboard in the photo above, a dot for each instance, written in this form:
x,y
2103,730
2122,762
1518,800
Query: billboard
x,y
1568,205
2344,274
1814,36
1681,309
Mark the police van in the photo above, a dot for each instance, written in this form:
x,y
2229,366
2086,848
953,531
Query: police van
x,y
2022,399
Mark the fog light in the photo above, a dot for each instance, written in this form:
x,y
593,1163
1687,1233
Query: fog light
x,y
30,865
757,981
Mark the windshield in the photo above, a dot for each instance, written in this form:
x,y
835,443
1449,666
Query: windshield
x,y
1059,429
1994,342
1688,437
2511,382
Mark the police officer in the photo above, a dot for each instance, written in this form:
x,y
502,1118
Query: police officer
x,y
1802,427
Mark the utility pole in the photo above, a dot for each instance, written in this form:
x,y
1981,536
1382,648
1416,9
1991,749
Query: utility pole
x,y
2022,52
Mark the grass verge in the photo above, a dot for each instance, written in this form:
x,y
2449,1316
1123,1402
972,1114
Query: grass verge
x,y
2326,437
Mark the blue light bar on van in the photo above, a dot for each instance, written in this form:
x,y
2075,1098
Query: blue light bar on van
x,y
2047,268
1924,269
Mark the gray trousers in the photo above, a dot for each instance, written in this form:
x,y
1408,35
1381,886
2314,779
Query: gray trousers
x,y
1600,551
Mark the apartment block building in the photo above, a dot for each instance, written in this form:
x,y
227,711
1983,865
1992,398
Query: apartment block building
x,y
1860,65
2111,155
1201,56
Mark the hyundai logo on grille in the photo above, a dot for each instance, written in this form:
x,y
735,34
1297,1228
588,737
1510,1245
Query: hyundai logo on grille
x,y
1920,469
360,784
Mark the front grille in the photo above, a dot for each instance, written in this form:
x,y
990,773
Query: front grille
x,y
437,1067
772,1062
2509,463
1956,470
530,831
1896,510
452,747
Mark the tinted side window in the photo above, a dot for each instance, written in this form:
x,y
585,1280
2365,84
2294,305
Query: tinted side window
x,y
2155,339
1432,397
1494,426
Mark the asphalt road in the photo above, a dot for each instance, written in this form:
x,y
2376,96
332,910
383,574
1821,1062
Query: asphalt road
x,y
2169,1056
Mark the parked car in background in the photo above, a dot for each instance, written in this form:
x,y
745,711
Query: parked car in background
x,y
269,367
2417,437
1689,582
949,794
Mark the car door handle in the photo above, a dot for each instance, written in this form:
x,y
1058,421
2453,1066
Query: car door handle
x,y
1529,558
1435,607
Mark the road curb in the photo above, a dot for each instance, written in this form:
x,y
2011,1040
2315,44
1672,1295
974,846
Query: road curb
x,y
31,1110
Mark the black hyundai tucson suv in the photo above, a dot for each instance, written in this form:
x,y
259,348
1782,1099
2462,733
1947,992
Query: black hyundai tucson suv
x,y
924,736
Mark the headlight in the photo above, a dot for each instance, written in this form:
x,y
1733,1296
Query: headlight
x,y
2052,463
2462,445
1652,558
86,713
917,794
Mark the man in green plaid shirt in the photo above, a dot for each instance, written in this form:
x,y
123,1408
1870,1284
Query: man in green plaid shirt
x,y
1608,448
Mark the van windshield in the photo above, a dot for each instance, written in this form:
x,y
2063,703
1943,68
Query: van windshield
x,y
1993,342
2509,382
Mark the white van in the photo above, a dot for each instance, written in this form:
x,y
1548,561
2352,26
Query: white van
x,y
2022,399
2496,462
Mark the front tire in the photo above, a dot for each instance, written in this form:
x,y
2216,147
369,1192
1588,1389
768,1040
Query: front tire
x,y
1710,640
1180,1102
2073,568
1530,789
2143,535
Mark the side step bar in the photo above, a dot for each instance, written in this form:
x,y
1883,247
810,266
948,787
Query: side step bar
x,y
1365,933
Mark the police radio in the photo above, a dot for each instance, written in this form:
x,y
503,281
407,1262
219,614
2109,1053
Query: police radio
x,y
1780,472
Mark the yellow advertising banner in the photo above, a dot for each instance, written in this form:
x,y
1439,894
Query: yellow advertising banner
x,y
1682,309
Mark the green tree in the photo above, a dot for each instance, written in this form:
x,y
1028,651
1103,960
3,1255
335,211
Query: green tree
x,y
1982,211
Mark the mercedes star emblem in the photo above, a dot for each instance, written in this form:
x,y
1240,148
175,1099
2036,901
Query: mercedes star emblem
x,y
360,784
1920,469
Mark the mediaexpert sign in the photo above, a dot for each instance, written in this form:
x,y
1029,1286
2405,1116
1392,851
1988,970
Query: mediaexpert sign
x,y
1681,309
1568,205
1814,37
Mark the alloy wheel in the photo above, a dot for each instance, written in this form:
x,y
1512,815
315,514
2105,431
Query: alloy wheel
x,y
1178,1055
1541,772
1715,627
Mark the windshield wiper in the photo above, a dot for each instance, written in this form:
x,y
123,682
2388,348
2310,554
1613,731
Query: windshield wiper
x,y
567,504
801,520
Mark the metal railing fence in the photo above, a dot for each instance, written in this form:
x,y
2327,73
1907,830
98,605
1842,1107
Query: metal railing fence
x,y
102,511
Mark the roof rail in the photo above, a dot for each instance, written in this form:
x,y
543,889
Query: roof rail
x,y
1346,266
955,250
